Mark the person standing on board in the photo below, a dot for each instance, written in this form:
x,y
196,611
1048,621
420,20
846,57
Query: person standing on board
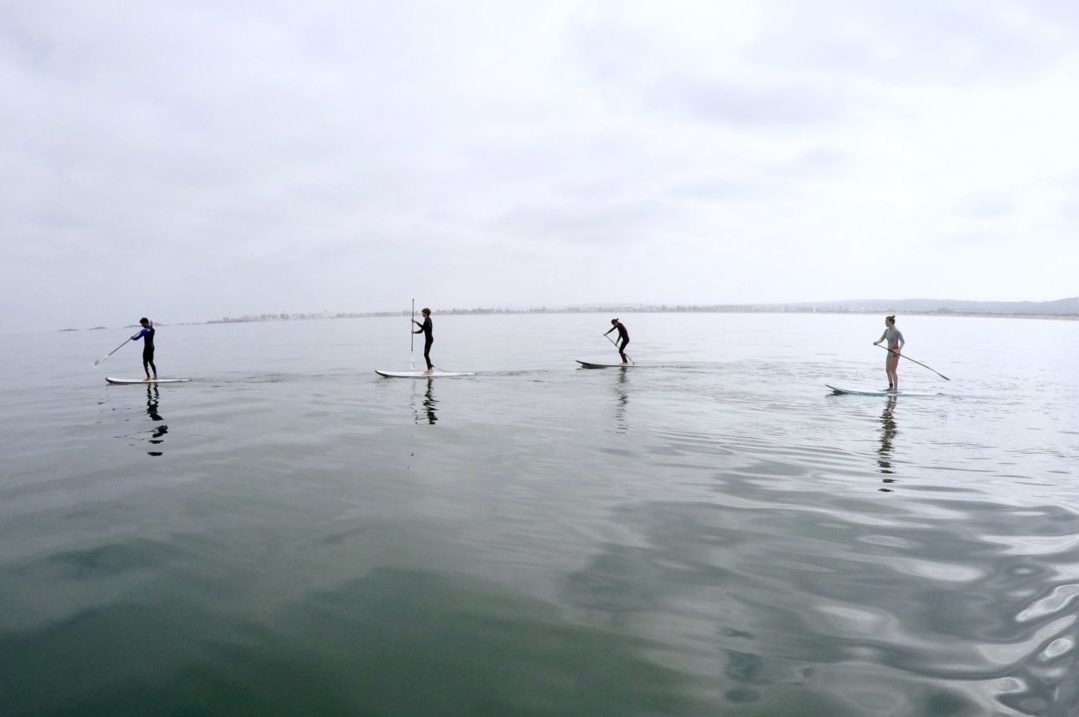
x,y
428,337
623,336
894,338
147,336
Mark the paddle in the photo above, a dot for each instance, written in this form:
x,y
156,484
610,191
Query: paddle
x,y
412,340
110,353
615,344
908,358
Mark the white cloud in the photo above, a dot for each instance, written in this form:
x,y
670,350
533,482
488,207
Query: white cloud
x,y
191,160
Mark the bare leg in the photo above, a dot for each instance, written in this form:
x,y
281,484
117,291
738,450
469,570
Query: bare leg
x,y
893,374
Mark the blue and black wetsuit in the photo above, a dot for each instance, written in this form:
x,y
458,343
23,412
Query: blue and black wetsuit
x,y
147,336
427,329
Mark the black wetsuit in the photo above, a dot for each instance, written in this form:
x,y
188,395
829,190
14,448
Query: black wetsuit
x,y
623,337
147,336
428,338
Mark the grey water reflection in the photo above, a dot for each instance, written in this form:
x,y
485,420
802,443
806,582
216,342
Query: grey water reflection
x,y
914,600
888,430
427,408
360,647
622,393
157,437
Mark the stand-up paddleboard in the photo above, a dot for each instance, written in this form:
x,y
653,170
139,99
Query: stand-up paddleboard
x,y
130,381
422,374
592,364
862,392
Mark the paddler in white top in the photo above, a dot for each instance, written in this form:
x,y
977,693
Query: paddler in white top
x,y
894,337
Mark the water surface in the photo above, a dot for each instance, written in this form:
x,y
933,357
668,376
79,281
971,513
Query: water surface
x,y
708,533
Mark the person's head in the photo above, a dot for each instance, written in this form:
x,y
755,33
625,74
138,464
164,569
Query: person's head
x,y
614,322
426,312
144,321
889,320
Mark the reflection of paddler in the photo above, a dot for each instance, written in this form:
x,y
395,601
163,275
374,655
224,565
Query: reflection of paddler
x,y
427,329
887,433
623,337
152,397
894,339
429,402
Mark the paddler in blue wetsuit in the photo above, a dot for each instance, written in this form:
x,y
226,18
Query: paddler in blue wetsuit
x,y
894,338
427,329
147,336
623,337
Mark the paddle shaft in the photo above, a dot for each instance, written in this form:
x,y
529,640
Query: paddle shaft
x,y
110,353
412,338
615,344
908,358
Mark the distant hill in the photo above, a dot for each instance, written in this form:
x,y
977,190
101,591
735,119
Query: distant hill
x,y
1060,307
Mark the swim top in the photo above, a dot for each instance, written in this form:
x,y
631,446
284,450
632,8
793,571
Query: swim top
x,y
892,335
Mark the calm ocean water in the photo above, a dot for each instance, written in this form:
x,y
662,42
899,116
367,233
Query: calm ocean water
x,y
709,533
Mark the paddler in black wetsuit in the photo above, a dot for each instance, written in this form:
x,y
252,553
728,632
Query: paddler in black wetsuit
x,y
623,336
147,336
428,337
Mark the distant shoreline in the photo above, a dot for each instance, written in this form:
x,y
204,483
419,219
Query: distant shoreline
x,y
1039,310
661,309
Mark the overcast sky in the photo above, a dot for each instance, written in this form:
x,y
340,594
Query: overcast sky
x,y
192,160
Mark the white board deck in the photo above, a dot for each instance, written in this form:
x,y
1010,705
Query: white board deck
x,y
592,364
870,392
130,381
422,374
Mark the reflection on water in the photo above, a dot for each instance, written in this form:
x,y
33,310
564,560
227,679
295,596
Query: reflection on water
x,y
887,433
621,391
427,408
157,437
392,642
305,550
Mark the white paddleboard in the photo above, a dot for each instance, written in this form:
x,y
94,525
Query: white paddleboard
x,y
870,392
592,364
129,381
422,374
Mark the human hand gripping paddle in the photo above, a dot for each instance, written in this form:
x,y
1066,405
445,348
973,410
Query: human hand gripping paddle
x,y
110,353
908,358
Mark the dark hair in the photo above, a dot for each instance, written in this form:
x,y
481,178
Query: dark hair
x,y
614,321
144,320
425,310
890,319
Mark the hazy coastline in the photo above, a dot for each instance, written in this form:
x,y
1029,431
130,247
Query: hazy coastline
x,y
1060,309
